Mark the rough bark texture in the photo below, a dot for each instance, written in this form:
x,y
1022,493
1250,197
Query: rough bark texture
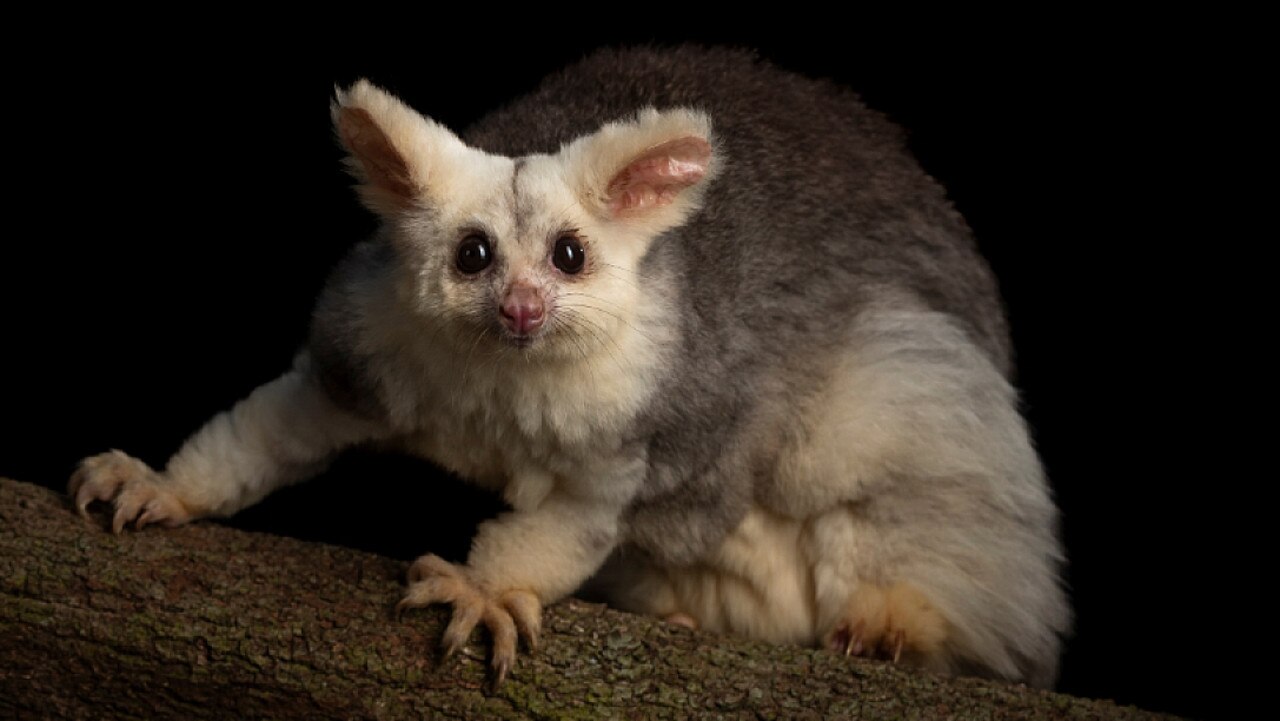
x,y
207,622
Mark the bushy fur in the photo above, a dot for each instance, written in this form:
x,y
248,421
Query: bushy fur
x,y
775,401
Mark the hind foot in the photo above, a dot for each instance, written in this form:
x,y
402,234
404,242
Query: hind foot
x,y
895,623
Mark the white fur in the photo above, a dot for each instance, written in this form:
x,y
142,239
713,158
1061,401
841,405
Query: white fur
x,y
544,425
442,167
285,431
757,584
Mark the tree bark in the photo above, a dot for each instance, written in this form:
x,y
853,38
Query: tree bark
x,y
207,622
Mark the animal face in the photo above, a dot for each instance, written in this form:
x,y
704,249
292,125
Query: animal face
x,y
536,255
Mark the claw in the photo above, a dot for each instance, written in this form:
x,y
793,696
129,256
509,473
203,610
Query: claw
x,y
150,513
465,618
899,638
86,493
855,647
503,629
120,520
846,640
82,504
526,611
500,668
129,504
75,489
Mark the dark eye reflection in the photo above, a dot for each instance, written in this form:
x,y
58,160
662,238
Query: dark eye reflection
x,y
474,254
568,254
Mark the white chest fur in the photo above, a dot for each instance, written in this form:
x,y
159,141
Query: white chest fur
x,y
514,424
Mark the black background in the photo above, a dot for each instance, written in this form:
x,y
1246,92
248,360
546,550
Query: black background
x,y
179,200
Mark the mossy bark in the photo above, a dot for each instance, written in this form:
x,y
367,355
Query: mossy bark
x,y
207,622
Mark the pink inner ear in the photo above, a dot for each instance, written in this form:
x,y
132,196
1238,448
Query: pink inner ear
x,y
657,175
382,163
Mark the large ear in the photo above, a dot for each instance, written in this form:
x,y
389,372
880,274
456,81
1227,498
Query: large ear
x,y
394,152
648,173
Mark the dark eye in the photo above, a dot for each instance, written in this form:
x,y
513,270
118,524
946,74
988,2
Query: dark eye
x,y
474,254
568,255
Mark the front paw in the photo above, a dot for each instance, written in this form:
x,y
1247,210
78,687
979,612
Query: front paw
x,y
508,614
135,490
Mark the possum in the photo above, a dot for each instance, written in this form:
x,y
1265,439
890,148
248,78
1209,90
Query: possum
x,y
726,350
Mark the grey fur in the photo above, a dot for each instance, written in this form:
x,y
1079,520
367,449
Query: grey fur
x,y
342,369
519,208
859,215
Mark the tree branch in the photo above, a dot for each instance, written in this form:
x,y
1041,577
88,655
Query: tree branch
x,y
207,622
